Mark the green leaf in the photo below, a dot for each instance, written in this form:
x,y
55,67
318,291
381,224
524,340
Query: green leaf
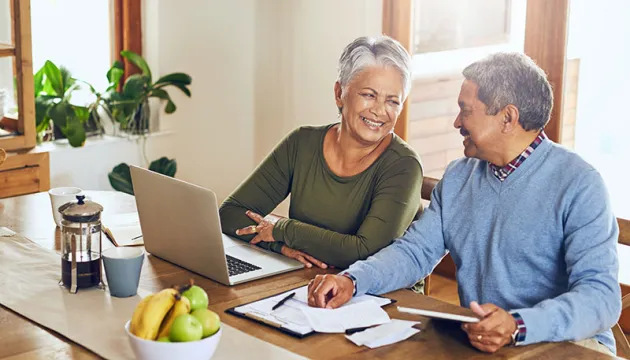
x,y
114,75
159,93
60,113
175,78
180,86
42,104
54,77
138,61
170,107
120,178
164,166
134,86
75,132
68,81
38,81
81,113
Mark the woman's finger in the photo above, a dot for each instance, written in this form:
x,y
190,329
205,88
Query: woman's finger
x,y
315,261
248,230
252,215
256,240
301,259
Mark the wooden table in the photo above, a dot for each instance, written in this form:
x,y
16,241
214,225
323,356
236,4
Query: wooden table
x,y
20,338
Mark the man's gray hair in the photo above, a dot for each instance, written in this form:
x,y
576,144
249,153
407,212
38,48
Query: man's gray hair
x,y
374,51
513,78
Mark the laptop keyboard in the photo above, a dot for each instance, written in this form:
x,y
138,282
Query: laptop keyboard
x,y
236,266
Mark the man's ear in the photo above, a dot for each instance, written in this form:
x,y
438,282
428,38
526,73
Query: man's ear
x,y
338,95
510,118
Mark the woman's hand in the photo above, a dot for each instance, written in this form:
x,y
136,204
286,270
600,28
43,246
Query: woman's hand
x,y
302,257
264,229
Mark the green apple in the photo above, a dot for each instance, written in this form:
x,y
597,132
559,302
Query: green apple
x,y
185,328
209,321
197,296
164,339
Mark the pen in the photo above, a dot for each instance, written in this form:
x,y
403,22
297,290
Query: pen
x,y
356,330
283,301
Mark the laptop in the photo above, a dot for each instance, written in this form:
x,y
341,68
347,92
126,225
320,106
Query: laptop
x,y
180,224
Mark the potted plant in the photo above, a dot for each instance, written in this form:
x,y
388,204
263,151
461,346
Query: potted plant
x,y
129,108
54,87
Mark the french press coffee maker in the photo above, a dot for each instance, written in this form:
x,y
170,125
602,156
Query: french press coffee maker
x,y
81,244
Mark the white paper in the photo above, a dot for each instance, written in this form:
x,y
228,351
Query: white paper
x,y
4,231
301,294
361,314
290,315
124,228
389,333
392,339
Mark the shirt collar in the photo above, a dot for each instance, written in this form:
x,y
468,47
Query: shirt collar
x,y
502,173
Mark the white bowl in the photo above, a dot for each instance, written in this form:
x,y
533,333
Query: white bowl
x,y
154,350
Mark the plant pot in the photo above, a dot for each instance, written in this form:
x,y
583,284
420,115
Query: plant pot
x,y
140,121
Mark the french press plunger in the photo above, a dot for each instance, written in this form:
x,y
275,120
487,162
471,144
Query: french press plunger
x,y
81,244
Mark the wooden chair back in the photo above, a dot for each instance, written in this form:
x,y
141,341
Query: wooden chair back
x,y
3,156
428,183
623,347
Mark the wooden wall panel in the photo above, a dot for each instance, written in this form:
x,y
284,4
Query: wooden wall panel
x,y
546,43
397,20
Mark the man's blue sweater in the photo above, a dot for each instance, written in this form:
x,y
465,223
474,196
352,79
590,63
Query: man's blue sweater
x,y
542,243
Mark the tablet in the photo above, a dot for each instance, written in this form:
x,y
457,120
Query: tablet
x,y
439,315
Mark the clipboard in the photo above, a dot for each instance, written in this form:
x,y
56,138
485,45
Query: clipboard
x,y
286,318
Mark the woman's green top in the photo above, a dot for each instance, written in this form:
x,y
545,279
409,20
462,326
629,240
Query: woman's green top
x,y
338,220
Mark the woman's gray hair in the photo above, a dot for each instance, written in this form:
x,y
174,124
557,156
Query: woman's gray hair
x,y
372,51
513,78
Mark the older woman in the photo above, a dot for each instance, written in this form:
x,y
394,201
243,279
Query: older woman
x,y
354,185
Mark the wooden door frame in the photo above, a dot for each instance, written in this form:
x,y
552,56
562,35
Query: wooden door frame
x,y
397,21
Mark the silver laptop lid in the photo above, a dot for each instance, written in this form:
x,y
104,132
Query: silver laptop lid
x,y
180,223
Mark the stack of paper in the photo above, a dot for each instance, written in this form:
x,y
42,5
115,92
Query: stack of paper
x,y
386,334
349,316
123,229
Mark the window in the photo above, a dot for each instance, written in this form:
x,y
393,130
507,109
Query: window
x,y
450,34
74,34
598,45
457,24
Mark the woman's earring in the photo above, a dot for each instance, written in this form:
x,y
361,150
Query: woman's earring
x,y
339,113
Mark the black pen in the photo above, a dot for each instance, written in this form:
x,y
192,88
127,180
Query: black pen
x,y
283,301
356,330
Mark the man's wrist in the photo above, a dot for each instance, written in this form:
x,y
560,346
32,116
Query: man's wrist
x,y
354,281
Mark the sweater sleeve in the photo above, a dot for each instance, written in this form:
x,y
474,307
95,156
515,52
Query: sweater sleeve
x,y
408,259
262,191
395,202
593,302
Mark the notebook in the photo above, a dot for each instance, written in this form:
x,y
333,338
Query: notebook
x,y
289,318
123,229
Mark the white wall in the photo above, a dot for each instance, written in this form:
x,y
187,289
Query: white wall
x,y
260,68
213,41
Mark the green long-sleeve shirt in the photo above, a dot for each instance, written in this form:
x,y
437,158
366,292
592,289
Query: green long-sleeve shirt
x,y
338,220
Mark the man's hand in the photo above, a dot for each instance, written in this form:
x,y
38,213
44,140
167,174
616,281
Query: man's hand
x,y
302,257
330,291
264,229
493,331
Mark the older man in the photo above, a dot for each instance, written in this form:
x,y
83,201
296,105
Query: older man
x,y
528,223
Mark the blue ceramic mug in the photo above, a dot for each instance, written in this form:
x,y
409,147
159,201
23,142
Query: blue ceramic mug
x,y
122,269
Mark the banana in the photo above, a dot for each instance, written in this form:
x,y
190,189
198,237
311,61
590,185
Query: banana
x,y
137,314
182,306
154,313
